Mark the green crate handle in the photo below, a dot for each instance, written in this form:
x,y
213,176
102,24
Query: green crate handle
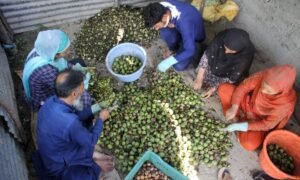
x,y
158,163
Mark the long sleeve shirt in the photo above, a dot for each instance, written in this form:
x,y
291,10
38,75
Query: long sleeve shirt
x,y
243,95
188,22
41,84
62,139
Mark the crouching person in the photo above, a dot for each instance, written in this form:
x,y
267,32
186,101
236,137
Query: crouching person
x,y
65,145
261,103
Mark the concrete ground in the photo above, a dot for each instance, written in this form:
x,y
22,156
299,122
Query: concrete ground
x,y
241,161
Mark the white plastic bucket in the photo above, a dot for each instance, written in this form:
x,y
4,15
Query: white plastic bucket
x,y
126,49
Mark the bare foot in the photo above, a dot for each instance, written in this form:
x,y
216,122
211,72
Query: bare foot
x,y
101,156
105,165
105,162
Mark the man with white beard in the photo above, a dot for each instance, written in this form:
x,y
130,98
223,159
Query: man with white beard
x,y
65,145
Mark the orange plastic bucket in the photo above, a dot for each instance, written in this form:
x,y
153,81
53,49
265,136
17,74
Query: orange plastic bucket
x,y
290,142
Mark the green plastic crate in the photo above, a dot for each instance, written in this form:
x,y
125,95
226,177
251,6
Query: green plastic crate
x,y
158,163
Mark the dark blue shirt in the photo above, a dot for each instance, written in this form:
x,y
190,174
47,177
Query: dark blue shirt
x,y
64,143
189,25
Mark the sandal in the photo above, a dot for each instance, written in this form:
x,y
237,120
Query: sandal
x,y
260,175
223,172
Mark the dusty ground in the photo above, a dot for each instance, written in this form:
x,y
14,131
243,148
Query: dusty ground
x,y
241,161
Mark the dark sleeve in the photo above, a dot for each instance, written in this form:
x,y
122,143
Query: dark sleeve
x,y
85,114
188,38
87,99
84,137
242,70
49,75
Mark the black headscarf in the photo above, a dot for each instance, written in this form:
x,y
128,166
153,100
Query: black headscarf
x,y
233,66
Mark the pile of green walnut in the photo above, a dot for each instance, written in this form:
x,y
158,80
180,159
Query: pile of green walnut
x,y
102,90
99,33
280,158
165,117
150,172
126,65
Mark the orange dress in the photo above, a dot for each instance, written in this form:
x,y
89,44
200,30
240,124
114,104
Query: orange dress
x,y
262,112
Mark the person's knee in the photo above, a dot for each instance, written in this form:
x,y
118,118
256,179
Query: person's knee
x,y
250,145
95,155
87,99
224,87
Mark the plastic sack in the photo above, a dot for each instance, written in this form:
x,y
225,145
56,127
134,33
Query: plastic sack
x,y
212,12
197,4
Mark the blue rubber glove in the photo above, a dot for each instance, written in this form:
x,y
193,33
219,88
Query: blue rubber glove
x,y
86,80
237,127
61,64
96,108
78,67
166,64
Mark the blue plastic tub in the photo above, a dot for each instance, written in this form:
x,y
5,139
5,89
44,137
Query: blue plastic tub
x,y
126,49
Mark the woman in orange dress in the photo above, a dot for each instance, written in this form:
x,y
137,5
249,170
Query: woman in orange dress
x,y
262,102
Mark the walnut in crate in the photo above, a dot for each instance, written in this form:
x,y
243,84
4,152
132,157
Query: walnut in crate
x,y
150,172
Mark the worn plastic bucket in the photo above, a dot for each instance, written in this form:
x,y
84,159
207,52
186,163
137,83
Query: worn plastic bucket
x,y
290,142
126,49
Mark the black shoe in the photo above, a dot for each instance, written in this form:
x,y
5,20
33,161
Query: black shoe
x,y
260,175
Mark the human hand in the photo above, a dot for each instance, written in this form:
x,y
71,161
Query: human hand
x,y
237,127
231,113
167,53
209,93
104,114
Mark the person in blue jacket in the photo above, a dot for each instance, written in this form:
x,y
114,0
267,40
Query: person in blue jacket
x,y
65,145
181,27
